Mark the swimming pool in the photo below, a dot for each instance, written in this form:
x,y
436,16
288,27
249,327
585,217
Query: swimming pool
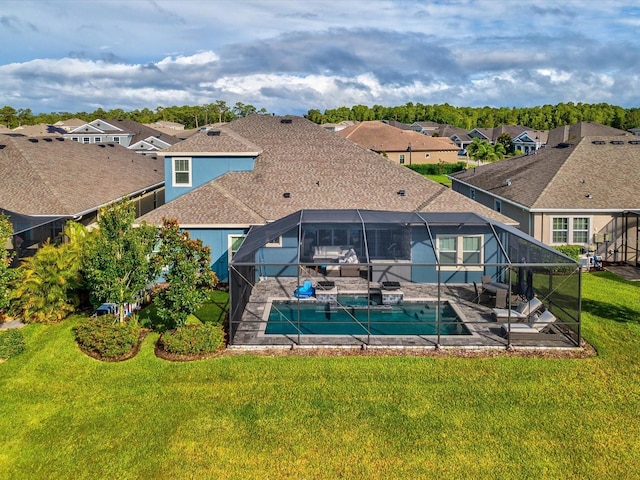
x,y
349,317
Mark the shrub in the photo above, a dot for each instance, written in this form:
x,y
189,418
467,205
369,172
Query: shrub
x,y
573,251
440,168
11,343
194,339
106,337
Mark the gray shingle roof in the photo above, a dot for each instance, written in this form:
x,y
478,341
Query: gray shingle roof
x,y
319,170
572,133
565,177
54,176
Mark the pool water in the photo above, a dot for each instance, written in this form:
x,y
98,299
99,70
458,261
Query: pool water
x,y
349,317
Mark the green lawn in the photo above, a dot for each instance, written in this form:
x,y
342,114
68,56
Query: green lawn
x,y
443,179
65,415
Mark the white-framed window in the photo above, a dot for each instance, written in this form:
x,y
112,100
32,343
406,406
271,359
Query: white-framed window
x,y
580,230
472,194
465,250
181,172
401,158
75,139
560,230
86,139
497,206
116,139
97,140
570,230
274,242
235,240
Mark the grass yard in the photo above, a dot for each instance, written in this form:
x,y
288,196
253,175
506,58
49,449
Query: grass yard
x,y
442,179
65,415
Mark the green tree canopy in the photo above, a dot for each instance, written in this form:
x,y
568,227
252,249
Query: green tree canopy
x,y
117,263
6,273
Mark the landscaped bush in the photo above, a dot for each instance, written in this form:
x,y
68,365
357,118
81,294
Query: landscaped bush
x,y
194,339
440,168
573,251
106,337
11,343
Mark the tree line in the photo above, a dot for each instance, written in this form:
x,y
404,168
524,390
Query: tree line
x,y
545,117
189,116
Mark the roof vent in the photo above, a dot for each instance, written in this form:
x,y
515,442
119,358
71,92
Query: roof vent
x,y
111,145
47,140
101,145
616,142
33,140
213,133
2,146
286,195
402,193
563,145
634,142
598,142
60,139
285,120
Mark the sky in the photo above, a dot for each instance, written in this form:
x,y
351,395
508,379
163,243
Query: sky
x,y
289,56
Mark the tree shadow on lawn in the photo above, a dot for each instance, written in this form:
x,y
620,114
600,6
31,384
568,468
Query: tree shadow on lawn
x,y
618,313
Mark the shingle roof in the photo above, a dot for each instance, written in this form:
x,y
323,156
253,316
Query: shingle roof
x,y
226,140
54,176
40,130
572,133
138,131
583,175
380,137
318,169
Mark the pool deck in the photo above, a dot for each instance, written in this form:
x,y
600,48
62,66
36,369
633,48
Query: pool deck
x,y
477,317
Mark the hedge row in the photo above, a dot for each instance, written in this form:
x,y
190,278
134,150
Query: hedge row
x,y
437,168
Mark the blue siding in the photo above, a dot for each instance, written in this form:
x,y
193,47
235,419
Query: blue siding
x,y
218,241
203,170
269,257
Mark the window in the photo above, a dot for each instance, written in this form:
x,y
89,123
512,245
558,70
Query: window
x,y
97,140
581,230
116,139
460,250
570,229
234,244
75,139
401,158
274,242
560,231
86,139
182,172
498,206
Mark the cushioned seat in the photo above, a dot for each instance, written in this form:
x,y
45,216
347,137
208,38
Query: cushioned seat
x,y
537,325
524,311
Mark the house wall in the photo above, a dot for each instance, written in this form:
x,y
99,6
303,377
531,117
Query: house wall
x,y
203,170
218,241
416,157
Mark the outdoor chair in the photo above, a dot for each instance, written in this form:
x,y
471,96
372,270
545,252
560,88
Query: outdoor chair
x,y
305,291
524,311
539,324
501,298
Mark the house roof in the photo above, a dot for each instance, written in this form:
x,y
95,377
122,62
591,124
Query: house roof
x,y
571,133
317,168
227,141
40,130
595,172
381,137
54,176
138,131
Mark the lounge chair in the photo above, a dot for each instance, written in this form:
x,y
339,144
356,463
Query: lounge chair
x,y
305,291
539,324
524,311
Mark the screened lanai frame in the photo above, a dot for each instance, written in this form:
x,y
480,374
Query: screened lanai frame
x,y
412,249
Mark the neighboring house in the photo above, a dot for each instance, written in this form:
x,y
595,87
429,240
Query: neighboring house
x,y
459,136
427,128
525,139
128,133
47,181
336,127
70,124
530,141
635,131
404,147
572,133
572,193
261,168
40,130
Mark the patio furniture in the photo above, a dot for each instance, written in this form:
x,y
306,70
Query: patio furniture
x,y
481,295
325,285
501,298
523,312
539,324
305,291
